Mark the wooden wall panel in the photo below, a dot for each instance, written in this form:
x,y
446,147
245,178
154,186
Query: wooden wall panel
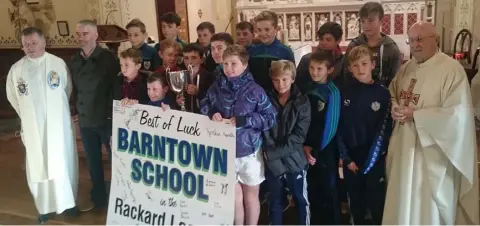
x,y
177,6
181,10
163,6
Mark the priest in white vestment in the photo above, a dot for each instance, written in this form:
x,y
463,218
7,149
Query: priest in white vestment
x,y
432,170
38,88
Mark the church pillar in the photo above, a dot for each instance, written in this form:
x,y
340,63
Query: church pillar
x,y
219,13
464,10
444,23
233,5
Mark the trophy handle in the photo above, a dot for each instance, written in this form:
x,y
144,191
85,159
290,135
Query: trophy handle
x,y
190,70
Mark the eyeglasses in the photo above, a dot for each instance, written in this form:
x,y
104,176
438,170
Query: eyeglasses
x,y
418,39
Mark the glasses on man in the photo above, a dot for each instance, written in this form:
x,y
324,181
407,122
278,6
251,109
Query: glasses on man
x,y
418,39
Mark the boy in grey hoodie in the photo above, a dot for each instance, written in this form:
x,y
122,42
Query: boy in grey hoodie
x,y
384,49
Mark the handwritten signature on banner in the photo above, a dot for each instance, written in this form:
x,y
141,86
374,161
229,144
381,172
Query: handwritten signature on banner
x,y
168,160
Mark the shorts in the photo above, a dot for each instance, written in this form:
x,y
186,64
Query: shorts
x,y
250,169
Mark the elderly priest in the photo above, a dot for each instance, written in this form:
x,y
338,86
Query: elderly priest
x,y
432,157
38,88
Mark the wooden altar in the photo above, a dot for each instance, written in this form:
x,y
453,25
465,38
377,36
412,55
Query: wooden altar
x,y
299,19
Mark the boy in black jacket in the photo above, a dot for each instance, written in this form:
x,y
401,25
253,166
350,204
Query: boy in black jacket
x,y
283,144
363,134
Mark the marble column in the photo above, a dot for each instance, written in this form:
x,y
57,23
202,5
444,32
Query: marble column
x,y
464,10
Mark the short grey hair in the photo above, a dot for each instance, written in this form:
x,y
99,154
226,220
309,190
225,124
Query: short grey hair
x,y
32,30
88,22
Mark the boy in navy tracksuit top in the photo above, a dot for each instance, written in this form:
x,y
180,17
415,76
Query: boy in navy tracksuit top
x,y
320,145
364,131
236,98
271,49
136,35
283,145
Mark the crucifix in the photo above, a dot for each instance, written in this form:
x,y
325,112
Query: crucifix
x,y
409,96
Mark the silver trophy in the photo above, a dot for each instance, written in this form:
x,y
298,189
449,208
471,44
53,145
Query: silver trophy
x,y
178,81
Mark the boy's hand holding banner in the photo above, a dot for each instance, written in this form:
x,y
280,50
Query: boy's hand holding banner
x,y
170,168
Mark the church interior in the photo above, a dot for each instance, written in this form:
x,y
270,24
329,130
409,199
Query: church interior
x,y
457,22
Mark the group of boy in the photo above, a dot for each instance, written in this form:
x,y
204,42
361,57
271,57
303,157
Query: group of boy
x,y
294,125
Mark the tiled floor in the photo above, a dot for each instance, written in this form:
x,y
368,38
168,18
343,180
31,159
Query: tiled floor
x,y
16,205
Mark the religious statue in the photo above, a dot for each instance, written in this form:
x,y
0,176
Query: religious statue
x,y
294,33
338,19
280,28
308,28
23,15
353,26
323,20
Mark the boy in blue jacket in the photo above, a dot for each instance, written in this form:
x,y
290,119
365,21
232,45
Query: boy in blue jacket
x,y
283,145
364,131
237,99
271,49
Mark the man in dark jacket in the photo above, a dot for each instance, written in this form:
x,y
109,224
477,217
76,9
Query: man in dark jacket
x,y
283,145
94,70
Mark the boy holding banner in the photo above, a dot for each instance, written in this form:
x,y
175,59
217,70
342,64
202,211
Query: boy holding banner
x,y
283,145
157,89
131,85
235,98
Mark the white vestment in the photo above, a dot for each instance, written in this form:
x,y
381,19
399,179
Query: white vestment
x,y
39,90
432,161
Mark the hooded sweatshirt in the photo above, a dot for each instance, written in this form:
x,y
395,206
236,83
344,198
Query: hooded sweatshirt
x,y
387,59
242,98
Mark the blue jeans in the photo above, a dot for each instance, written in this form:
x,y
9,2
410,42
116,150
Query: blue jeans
x,y
92,139
297,184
